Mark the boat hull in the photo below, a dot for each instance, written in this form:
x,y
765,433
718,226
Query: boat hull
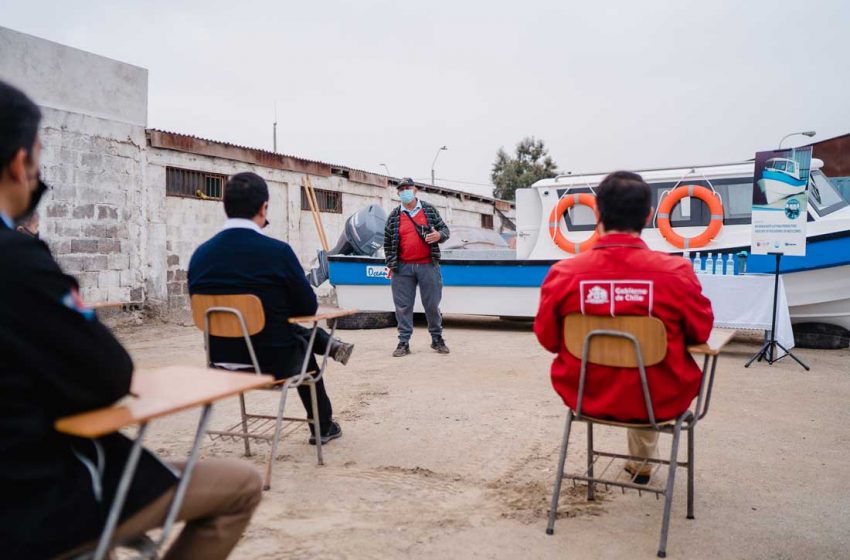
x,y
778,186
817,286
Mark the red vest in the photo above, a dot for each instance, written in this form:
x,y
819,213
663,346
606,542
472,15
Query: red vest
x,y
411,248
622,276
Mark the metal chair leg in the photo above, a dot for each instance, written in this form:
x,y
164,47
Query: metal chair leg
x,y
559,477
317,424
691,472
591,487
668,493
245,424
276,440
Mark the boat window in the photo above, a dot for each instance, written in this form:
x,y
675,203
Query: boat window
x,y
582,216
792,166
579,217
823,196
737,201
736,195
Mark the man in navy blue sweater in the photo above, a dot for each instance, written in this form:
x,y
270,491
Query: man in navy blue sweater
x,y
242,260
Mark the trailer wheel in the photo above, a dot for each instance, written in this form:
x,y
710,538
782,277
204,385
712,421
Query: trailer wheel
x,y
367,320
821,336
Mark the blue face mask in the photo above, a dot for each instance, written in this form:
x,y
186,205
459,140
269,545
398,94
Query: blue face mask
x,y
406,196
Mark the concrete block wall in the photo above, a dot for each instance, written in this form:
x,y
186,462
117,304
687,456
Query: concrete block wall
x,y
94,216
188,222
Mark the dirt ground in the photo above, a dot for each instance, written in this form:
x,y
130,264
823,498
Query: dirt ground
x,y
455,456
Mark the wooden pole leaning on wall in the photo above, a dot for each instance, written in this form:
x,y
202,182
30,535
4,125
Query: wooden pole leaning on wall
x,y
314,209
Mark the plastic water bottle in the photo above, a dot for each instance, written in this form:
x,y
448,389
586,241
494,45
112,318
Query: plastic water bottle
x,y
709,264
742,262
687,256
698,264
730,266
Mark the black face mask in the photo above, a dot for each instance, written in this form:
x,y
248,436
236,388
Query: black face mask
x,y
36,196
27,231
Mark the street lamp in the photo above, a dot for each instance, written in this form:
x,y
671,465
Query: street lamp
x,y
384,165
808,133
442,148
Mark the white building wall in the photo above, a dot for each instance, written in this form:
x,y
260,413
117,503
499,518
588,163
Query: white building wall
x,y
188,222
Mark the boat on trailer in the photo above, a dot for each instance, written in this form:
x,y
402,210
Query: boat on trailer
x,y
555,220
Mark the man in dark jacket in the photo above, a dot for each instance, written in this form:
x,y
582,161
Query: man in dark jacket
x,y
56,359
242,260
412,236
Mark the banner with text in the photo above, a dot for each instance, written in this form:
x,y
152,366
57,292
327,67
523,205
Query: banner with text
x,y
780,191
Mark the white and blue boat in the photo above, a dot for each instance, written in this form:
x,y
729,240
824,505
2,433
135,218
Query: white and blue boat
x,y
780,179
507,283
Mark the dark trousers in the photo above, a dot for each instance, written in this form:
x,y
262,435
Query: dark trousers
x,y
319,346
283,362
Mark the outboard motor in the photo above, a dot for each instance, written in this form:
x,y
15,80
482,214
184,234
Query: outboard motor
x,y
362,235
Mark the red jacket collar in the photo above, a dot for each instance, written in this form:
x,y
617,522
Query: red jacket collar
x,y
620,240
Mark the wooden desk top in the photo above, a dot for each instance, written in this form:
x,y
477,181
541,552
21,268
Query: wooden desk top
x,y
716,341
160,392
323,314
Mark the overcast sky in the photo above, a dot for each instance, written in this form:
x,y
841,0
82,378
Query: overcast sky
x,y
615,84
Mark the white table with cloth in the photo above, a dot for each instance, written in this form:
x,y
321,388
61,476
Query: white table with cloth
x,y
746,302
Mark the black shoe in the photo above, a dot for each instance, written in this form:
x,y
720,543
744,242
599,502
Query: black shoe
x,y
342,352
438,344
403,349
333,432
637,477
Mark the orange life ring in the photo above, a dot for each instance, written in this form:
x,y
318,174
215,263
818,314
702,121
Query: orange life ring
x,y
715,206
565,203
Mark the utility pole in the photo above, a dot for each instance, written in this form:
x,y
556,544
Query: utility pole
x,y
274,129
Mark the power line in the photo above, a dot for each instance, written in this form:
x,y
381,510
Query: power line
x,y
490,185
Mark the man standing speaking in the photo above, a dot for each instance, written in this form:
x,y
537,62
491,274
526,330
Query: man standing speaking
x,y
412,236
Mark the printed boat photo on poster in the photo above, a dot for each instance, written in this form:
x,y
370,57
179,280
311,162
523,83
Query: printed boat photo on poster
x,y
780,192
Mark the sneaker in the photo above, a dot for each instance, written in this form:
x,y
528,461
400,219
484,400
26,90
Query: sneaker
x,y
342,352
438,344
641,477
333,432
403,349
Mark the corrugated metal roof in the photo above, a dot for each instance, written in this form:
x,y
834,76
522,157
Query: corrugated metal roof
x,y
240,146
205,146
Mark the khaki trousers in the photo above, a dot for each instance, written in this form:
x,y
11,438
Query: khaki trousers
x,y
220,500
643,443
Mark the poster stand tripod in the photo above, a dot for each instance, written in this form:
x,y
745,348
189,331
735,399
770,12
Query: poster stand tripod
x,y
768,349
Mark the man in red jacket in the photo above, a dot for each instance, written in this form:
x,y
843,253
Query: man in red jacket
x,y
620,275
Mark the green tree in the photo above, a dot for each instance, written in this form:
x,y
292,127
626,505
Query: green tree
x,y
530,164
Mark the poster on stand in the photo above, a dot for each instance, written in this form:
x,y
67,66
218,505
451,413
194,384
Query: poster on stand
x,y
780,193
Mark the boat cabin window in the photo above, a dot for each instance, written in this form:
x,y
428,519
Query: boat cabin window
x,y
777,164
579,217
736,195
823,196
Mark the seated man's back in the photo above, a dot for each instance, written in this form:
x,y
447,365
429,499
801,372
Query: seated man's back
x,y
241,260
620,275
